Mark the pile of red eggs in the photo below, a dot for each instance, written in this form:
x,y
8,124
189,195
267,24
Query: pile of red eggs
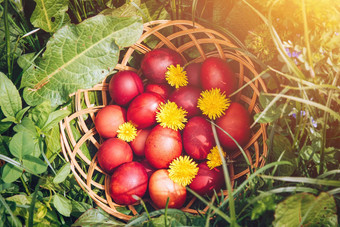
x,y
139,164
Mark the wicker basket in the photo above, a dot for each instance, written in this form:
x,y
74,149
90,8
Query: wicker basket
x,y
189,40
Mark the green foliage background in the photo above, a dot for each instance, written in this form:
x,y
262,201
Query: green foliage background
x,y
295,44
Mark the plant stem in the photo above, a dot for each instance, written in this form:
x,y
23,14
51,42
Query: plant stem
x,y
25,185
8,41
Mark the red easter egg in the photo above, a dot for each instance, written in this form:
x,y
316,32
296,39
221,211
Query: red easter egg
x,y
161,187
124,86
198,138
162,146
128,180
108,119
163,90
112,153
186,97
194,74
236,122
215,73
138,144
154,64
207,180
142,110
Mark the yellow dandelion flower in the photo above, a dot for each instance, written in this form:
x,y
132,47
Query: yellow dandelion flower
x,y
183,170
213,103
214,158
176,76
127,132
169,115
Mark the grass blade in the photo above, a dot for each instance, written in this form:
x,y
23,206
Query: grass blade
x,y
331,172
306,180
307,102
4,203
242,186
226,173
32,206
306,37
268,106
193,10
214,208
277,41
8,41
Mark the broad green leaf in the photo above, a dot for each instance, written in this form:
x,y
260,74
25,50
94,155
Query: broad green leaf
x,y
10,100
40,209
26,126
4,126
52,141
78,56
127,10
21,114
78,208
10,173
63,172
4,142
96,216
261,206
39,114
49,15
21,144
34,164
54,118
154,11
26,60
47,183
77,135
9,119
282,145
62,204
306,210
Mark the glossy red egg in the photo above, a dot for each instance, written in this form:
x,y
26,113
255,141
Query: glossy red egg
x,y
108,119
215,73
161,187
207,180
162,146
142,110
198,138
128,179
154,64
163,90
236,122
194,74
112,153
124,86
138,144
186,97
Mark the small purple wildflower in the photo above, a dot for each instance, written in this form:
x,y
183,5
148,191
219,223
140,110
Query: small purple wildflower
x,y
314,123
296,54
336,33
302,113
288,52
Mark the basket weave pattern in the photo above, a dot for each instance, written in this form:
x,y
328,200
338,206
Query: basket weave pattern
x,y
185,38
